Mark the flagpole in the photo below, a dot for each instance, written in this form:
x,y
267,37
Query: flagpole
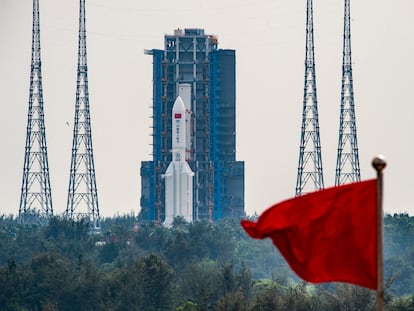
x,y
379,164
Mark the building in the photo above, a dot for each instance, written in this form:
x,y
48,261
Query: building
x,y
192,57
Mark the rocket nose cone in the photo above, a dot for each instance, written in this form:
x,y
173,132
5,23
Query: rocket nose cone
x,y
178,106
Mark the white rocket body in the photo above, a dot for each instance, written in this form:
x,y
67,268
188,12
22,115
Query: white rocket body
x,y
184,91
178,176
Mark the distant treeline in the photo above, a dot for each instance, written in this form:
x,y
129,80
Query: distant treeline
x,y
188,267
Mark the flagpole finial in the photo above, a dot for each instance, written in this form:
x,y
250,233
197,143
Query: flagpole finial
x,y
379,163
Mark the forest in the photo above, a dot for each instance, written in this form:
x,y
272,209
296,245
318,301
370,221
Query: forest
x,y
188,267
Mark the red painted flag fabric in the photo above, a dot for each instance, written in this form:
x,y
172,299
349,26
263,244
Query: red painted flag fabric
x,y
327,235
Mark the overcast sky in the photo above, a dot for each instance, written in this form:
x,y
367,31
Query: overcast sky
x,y
269,39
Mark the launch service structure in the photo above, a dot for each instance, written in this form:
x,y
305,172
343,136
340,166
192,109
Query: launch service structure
x,y
192,67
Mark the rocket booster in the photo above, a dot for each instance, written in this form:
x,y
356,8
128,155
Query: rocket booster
x,y
178,176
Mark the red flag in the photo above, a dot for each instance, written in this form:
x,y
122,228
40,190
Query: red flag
x,y
328,235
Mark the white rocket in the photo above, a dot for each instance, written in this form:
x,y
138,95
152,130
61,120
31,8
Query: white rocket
x,y
178,176
184,91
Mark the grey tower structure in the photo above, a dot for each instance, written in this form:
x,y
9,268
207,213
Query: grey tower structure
x,y
347,164
82,193
310,174
192,57
36,197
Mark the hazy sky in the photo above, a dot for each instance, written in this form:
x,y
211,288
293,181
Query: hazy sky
x,y
269,39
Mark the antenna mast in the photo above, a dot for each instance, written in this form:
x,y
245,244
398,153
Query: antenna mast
x,y
310,158
36,197
347,165
82,193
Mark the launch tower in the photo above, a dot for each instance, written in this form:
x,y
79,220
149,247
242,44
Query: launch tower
x,y
347,165
310,158
192,57
82,194
36,197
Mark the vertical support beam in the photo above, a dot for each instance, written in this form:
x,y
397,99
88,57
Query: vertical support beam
x,y
347,163
82,194
310,158
379,165
36,197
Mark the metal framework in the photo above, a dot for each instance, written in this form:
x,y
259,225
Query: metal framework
x,y
310,158
36,197
190,56
82,194
347,164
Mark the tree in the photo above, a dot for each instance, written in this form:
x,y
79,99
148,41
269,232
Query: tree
x,y
157,278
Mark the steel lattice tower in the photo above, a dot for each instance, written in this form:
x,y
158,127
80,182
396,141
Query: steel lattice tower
x,y
36,197
310,158
82,193
347,163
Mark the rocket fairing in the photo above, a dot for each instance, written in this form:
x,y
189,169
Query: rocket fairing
x,y
184,91
178,176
